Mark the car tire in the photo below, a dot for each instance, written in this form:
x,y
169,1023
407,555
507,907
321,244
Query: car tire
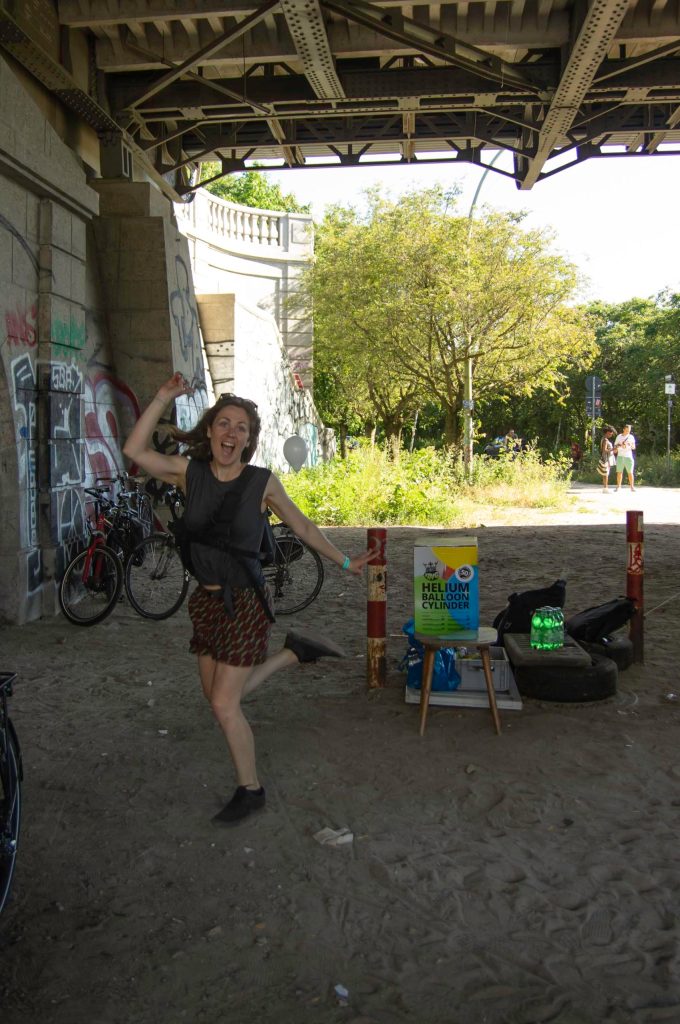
x,y
618,648
596,681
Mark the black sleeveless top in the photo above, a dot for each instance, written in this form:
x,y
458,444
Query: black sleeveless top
x,y
204,497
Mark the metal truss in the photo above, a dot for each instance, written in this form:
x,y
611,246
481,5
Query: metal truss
x,y
553,82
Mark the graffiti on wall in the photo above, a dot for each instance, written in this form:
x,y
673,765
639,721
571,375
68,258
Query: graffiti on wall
x,y
185,319
67,513
16,234
25,418
21,326
68,338
89,418
65,434
190,408
111,410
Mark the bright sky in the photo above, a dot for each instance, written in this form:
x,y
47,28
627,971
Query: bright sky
x,y
617,219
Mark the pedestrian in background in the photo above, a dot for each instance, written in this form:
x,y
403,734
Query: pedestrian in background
x,y
607,458
624,447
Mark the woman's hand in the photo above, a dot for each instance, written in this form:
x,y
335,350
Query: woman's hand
x,y
173,388
357,562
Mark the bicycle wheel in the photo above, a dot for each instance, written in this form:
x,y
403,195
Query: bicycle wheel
x,y
156,582
91,586
296,576
10,811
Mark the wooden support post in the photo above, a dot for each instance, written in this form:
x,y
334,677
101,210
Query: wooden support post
x,y
376,610
635,573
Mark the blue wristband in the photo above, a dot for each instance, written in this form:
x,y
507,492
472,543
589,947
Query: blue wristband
x,y
345,564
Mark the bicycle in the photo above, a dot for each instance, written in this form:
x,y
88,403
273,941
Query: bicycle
x,y
11,775
156,581
296,574
132,516
92,582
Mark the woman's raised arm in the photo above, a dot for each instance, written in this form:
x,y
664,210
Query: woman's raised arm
x,y
170,468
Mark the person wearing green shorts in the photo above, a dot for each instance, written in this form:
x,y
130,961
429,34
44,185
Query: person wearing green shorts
x,y
624,446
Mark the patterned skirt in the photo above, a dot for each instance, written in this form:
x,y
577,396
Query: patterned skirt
x,y
241,639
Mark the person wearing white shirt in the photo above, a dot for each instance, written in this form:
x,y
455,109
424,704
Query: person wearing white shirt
x,y
624,446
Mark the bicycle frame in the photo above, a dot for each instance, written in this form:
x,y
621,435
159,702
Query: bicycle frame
x,y
97,540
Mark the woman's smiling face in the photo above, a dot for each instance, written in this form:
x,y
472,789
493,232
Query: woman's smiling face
x,y
229,435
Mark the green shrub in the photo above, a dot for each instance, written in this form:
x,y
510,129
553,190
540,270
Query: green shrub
x,y
651,470
426,487
658,470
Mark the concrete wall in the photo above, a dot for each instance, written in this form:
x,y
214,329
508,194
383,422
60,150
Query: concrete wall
x,y
97,307
94,311
257,255
246,266
51,330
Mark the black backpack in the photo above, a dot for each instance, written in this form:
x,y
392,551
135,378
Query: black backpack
x,y
516,616
593,624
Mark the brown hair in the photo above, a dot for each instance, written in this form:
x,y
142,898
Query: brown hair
x,y
197,441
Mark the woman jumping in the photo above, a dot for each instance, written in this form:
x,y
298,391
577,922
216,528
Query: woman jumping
x,y
230,609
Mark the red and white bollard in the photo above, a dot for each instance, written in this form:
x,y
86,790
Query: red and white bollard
x,y
635,574
376,610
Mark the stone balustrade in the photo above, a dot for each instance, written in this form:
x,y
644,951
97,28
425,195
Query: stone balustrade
x,y
232,226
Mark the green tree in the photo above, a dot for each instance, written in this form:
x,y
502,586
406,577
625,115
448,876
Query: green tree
x,y
250,189
640,344
352,339
410,291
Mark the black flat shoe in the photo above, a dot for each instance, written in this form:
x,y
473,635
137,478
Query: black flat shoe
x,y
308,648
243,802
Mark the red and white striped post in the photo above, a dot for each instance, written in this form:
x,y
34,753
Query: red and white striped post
x,y
376,610
635,574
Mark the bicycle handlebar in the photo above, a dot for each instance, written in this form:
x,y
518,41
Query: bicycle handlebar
x,y
6,680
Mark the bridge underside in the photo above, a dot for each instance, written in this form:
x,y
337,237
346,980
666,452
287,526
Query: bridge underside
x,y
344,82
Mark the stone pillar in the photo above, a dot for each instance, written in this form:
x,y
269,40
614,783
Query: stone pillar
x,y
216,313
146,272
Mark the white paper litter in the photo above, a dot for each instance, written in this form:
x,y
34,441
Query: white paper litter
x,y
334,837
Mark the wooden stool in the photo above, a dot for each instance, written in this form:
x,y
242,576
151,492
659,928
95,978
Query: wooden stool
x,y
485,638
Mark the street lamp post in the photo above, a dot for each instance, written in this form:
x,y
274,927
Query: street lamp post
x,y
468,400
669,389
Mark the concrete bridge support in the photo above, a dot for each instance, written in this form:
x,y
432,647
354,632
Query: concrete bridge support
x,y
97,305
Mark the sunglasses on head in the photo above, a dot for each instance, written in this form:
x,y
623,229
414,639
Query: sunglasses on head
x,y
228,395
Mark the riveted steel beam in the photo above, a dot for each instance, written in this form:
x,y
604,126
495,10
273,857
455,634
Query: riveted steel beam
x,y
305,24
423,39
207,51
595,35
57,80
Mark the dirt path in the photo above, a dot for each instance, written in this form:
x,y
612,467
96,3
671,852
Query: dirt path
x,y
519,879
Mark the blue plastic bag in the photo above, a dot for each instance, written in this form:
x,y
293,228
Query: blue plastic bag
x,y
444,674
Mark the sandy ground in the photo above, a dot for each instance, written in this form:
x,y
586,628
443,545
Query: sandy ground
x,y
527,878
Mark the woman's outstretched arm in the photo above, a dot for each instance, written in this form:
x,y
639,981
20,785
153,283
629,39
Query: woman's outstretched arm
x,y
276,498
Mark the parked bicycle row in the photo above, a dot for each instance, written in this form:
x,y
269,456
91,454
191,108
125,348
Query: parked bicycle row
x,y
129,551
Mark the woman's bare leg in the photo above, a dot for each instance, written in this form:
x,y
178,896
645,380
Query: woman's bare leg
x,y
206,670
282,659
224,687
